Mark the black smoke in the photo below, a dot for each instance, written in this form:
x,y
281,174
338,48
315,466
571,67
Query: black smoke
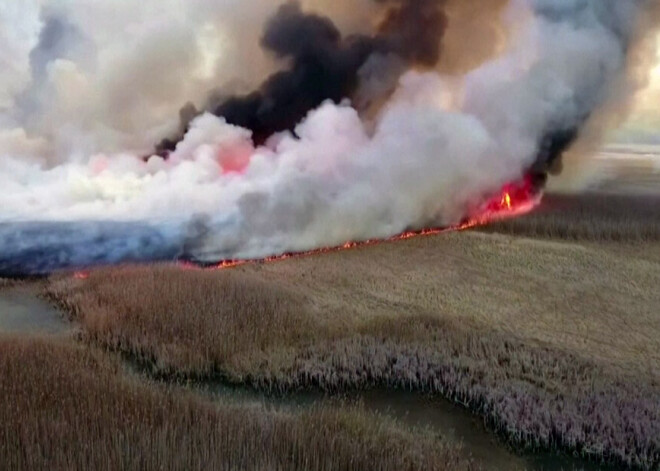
x,y
551,149
324,65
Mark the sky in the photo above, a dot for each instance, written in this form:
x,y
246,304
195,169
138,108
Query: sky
x,y
643,126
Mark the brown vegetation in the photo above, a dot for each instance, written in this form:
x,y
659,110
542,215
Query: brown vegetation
x,y
556,345
191,324
537,397
5,283
64,408
594,302
595,217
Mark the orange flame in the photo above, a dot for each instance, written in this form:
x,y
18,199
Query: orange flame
x,y
506,200
515,200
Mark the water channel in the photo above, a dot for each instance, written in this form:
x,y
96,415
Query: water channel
x,y
23,313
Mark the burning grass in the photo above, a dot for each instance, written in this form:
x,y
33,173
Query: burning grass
x,y
595,217
555,344
64,407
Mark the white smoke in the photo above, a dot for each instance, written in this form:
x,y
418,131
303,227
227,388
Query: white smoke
x,y
110,76
438,149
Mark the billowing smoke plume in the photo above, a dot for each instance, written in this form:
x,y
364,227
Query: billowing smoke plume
x,y
326,66
321,153
562,133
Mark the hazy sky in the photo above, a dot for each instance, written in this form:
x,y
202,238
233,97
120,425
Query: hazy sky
x,y
644,124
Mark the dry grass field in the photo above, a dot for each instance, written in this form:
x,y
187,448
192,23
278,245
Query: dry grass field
x,y
4,283
555,340
576,297
66,407
600,217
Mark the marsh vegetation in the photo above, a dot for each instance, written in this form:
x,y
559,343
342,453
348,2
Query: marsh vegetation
x,y
600,217
551,337
4,283
66,407
554,343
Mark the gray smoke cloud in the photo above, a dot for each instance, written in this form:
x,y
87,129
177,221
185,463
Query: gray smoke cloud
x,y
443,142
323,65
40,247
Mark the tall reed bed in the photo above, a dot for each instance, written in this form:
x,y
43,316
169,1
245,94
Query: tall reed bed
x,y
594,216
64,407
206,324
537,397
191,322
552,343
5,283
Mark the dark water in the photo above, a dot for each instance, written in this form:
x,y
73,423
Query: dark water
x,y
457,424
415,410
21,312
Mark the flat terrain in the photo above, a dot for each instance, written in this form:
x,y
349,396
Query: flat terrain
x,y
629,169
553,336
591,217
546,328
584,298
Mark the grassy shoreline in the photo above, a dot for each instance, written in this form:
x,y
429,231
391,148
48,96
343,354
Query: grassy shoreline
x,y
554,340
252,326
547,401
56,396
